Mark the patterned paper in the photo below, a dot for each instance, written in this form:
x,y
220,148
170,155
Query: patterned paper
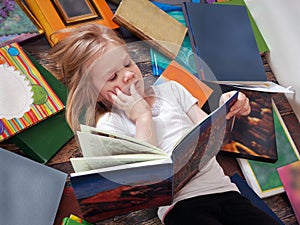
x,y
45,101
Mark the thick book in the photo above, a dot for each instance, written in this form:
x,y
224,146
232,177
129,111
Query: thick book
x,y
56,15
42,141
26,98
290,177
223,42
254,136
30,192
263,177
150,23
185,55
120,174
18,25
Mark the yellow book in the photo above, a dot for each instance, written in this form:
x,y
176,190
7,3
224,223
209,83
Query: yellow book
x,y
56,15
150,23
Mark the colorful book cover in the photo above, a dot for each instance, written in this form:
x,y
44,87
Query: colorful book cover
x,y
253,136
25,101
17,22
185,55
178,73
74,220
263,177
290,178
41,141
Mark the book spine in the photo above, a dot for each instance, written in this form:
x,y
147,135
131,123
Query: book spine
x,y
27,11
45,23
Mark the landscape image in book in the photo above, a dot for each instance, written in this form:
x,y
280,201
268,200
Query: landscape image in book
x,y
104,195
253,136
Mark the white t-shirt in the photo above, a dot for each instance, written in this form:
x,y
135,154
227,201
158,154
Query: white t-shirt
x,y
171,121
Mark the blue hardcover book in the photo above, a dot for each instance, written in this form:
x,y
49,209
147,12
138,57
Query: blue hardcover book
x,y
224,43
30,192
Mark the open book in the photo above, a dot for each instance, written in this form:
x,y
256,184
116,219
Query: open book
x,y
120,174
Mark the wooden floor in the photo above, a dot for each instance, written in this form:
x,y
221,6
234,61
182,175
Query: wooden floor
x,y
279,203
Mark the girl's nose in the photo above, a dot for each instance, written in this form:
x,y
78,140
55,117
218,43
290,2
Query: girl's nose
x,y
127,75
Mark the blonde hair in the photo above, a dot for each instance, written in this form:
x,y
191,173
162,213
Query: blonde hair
x,y
75,55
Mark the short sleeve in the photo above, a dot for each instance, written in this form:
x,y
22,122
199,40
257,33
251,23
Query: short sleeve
x,y
113,122
183,96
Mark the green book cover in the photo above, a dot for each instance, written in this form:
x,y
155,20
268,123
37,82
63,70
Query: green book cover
x,y
261,44
42,141
74,220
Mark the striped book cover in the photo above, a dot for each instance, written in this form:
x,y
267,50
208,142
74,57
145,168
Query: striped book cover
x,y
44,103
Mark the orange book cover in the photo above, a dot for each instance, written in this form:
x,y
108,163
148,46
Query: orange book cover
x,y
179,74
55,15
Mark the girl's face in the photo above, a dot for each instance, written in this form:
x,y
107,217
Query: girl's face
x,y
116,70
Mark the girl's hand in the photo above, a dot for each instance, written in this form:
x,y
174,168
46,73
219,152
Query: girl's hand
x,y
133,105
240,108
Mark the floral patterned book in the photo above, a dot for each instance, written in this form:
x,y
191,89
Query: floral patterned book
x,y
17,23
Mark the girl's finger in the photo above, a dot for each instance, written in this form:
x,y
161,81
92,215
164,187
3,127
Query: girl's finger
x,y
121,95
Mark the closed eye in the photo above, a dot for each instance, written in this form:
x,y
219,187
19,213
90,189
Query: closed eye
x,y
127,64
112,77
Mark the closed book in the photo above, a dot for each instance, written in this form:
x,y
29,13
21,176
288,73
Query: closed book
x,y
30,192
150,23
261,43
26,98
290,177
253,136
263,177
43,140
57,15
224,43
248,192
19,25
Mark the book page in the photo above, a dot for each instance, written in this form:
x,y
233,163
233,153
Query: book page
x,y
97,145
92,163
97,131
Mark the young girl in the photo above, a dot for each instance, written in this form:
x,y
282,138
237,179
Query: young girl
x,y
106,89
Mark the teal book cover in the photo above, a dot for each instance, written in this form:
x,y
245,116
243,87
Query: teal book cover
x,y
185,56
15,21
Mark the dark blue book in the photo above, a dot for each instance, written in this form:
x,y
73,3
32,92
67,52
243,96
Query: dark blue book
x,y
223,41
